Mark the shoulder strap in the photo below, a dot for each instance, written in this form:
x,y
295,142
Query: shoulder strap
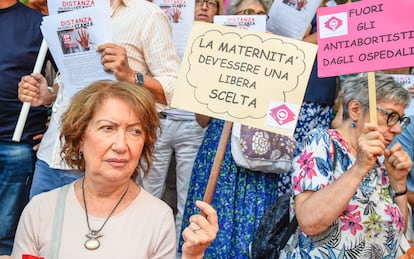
x,y
293,224
58,223
335,156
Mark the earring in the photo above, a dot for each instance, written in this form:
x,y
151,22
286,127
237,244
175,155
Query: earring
x,y
75,157
353,125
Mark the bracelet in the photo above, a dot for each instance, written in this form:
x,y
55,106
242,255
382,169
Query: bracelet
x,y
396,194
52,90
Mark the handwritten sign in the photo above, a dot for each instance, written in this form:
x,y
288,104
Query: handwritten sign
x,y
254,78
365,36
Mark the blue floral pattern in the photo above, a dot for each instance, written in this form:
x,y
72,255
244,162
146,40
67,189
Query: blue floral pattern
x,y
240,198
371,224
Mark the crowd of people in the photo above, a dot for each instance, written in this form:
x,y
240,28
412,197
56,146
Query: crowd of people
x,y
90,170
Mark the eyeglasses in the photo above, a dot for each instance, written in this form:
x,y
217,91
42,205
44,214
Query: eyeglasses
x,y
251,12
394,117
210,3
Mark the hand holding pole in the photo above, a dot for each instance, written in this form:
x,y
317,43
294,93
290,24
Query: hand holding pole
x,y
26,105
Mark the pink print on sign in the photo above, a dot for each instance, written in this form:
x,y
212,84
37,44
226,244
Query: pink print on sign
x,y
333,23
282,114
365,36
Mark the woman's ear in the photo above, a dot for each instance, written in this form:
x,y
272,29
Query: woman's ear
x,y
355,109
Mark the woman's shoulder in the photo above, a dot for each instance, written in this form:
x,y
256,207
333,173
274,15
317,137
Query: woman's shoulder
x,y
152,203
51,195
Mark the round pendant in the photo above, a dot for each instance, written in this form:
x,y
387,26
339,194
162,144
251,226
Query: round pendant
x,y
92,244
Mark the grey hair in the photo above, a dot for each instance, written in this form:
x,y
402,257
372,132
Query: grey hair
x,y
387,89
234,4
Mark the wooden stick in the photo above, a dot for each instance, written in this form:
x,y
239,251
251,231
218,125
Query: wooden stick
x,y
218,159
372,97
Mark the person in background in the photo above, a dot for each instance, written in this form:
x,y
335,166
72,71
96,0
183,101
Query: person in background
x,y
107,128
40,5
407,141
144,55
248,7
17,159
320,95
360,209
241,196
179,137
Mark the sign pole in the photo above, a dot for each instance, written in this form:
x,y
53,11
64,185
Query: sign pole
x,y
218,159
372,97
26,105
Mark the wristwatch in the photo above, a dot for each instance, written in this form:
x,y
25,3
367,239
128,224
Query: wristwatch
x,y
139,78
395,194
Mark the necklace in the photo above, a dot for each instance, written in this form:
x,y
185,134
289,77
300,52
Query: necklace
x,y
93,243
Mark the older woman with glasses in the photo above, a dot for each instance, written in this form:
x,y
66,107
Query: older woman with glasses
x,y
206,9
248,7
358,210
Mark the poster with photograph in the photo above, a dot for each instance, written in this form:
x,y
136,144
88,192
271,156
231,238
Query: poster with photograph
x,y
291,18
72,38
181,15
61,6
406,81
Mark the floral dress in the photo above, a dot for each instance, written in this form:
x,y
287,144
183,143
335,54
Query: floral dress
x,y
240,198
369,227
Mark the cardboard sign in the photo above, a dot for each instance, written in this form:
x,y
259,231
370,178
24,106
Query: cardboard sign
x,y
365,36
253,78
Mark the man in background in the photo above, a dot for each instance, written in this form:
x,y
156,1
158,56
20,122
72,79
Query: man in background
x,y
21,39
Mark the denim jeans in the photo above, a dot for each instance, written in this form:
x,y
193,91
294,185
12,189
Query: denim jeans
x,y
16,171
46,178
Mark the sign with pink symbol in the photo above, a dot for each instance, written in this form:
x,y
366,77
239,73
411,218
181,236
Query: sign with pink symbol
x,y
282,116
255,79
365,36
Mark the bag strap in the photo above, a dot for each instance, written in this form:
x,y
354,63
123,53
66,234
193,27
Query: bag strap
x,y
293,224
57,223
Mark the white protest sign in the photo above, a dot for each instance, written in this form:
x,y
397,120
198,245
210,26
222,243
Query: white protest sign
x,y
253,78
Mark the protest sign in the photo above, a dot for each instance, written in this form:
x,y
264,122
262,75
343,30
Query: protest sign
x,y
365,36
181,15
291,18
406,81
254,78
79,64
246,22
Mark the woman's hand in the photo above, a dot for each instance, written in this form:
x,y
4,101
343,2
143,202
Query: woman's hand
x,y
398,165
201,232
370,146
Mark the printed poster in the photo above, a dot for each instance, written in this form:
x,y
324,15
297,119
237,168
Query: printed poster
x,y
181,15
246,22
72,38
291,18
61,6
406,81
